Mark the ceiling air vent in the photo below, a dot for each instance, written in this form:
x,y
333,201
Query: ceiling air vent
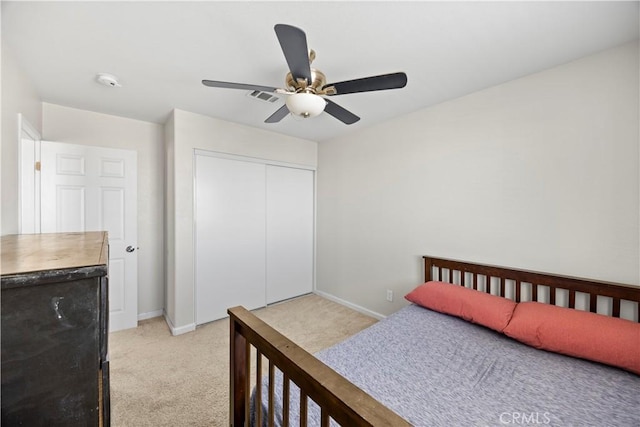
x,y
263,96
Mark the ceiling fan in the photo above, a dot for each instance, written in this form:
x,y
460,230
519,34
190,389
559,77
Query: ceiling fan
x,y
306,87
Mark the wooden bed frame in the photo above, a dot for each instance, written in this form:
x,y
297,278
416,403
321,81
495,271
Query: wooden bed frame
x,y
348,405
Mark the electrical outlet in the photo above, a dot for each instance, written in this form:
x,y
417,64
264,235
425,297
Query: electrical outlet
x,y
389,295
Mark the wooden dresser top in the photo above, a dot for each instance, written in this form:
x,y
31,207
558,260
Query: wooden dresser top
x,y
25,253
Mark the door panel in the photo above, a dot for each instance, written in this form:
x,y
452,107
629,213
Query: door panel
x,y
116,285
85,188
112,168
70,164
290,212
229,236
112,212
70,209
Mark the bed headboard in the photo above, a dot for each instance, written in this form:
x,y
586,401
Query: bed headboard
x,y
522,285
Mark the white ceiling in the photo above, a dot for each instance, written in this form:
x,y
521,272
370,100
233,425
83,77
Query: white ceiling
x,y
162,50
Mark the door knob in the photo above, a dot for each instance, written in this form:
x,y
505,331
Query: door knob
x,y
130,249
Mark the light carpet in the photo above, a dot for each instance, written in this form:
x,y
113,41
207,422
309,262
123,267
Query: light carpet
x,y
161,380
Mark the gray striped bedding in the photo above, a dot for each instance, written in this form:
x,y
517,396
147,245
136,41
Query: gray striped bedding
x,y
437,370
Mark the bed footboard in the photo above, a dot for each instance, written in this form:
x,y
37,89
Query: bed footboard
x,y
338,399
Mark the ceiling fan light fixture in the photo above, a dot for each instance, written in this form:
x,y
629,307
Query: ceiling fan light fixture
x,y
305,105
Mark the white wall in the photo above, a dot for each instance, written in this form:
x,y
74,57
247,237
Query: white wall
x,y
539,173
18,96
170,220
188,131
70,125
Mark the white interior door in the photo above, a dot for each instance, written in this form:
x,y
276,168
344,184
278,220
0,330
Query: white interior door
x,y
289,224
229,236
85,188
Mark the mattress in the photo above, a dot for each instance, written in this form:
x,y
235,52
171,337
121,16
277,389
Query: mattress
x,y
437,370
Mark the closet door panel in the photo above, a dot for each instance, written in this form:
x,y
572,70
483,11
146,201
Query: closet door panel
x,y
290,213
230,236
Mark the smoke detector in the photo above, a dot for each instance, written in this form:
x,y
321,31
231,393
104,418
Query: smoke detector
x,y
108,80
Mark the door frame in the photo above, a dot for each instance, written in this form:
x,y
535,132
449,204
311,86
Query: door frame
x,y
29,176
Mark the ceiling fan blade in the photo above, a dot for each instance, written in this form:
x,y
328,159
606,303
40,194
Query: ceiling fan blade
x,y
340,113
278,115
368,84
229,85
293,42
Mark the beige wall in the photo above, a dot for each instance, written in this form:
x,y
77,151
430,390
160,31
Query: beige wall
x,y
186,132
540,173
70,125
19,96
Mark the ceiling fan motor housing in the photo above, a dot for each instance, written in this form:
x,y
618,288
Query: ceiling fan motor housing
x,y
318,81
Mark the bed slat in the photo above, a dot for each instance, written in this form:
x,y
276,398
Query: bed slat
x,y
572,298
238,400
272,412
324,418
258,388
593,304
518,290
285,400
303,409
616,307
247,385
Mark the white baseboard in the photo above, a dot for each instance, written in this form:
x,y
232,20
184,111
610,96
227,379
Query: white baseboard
x,y
150,315
350,305
182,329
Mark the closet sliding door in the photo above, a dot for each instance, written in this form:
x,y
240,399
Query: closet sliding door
x,y
254,228
230,236
290,215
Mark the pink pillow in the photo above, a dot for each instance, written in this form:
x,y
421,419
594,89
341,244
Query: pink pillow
x,y
577,333
474,306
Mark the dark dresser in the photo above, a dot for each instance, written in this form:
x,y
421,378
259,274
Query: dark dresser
x,y
54,314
